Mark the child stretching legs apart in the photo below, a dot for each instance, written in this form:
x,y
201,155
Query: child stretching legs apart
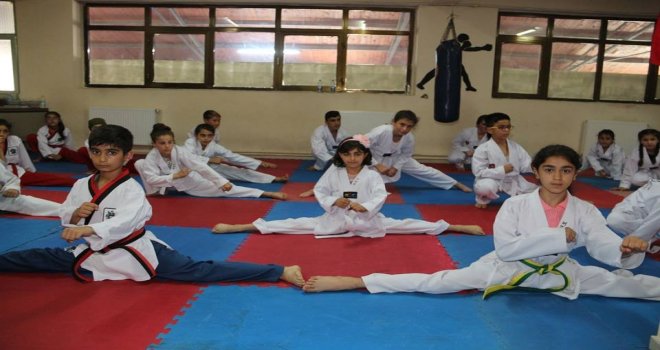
x,y
351,195
109,210
533,235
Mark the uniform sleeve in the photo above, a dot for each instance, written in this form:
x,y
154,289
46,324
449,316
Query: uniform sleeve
x,y
235,158
378,194
629,169
459,142
68,142
603,244
319,148
191,146
323,190
618,160
73,201
24,159
592,159
407,149
515,243
480,165
151,174
373,136
192,162
8,181
524,160
42,142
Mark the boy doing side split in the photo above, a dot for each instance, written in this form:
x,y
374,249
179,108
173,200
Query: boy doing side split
x,y
12,200
392,147
168,165
499,163
325,140
109,210
351,195
223,161
533,235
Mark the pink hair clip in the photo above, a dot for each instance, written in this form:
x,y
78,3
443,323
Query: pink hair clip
x,y
363,139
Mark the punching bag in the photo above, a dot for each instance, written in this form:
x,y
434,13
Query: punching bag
x,y
447,104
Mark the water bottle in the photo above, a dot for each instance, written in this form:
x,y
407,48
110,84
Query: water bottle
x,y
333,86
319,86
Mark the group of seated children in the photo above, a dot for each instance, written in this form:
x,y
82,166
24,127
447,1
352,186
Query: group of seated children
x,y
533,232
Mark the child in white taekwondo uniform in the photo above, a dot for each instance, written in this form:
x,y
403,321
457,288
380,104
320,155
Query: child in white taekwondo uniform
x,y
224,161
12,200
639,215
168,165
108,210
325,140
643,164
351,195
15,157
392,147
498,164
533,235
54,140
605,157
464,144
213,119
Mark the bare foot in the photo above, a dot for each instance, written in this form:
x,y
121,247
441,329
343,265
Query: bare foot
x,y
469,229
311,168
284,178
462,187
268,165
308,193
228,228
481,206
275,195
329,283
293,274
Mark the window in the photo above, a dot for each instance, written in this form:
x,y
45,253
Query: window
x,y
8,58
266,48
567,58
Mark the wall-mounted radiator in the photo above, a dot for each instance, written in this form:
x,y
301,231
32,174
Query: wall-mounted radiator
x,y
625,133
138,121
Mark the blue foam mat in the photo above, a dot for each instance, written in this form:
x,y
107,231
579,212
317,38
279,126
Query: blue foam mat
x,y
199,243
225,317
599,182
60,167
286,210
23,233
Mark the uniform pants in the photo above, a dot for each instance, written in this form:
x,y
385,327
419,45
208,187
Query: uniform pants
x,y
172,265
29,205
432,176
242,174
392,226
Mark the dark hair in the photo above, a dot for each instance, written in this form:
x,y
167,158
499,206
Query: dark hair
x,y
113,135
481,119
557,151
210,114
640,135
60,126
347,145
6,123
493,118
331,114
406,114
160,129
606,132
201,127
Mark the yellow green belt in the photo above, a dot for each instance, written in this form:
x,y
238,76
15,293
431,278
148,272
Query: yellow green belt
x,y
537,268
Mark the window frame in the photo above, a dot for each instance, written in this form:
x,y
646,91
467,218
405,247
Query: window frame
x,y
546,43
280,34
13,42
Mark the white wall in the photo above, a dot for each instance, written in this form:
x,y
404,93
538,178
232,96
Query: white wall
x,y
278,123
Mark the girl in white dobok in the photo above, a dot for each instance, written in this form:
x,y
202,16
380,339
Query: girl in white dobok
x,y
499,163
643,164
170,166
533,235
351,195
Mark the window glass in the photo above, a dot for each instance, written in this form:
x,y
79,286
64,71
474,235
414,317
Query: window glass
x,y
180,17
576,28
124,16
6,66
378,20
245,17
309,59
7,25
312,18
519,68
116,57
629,30
377,62
624,72
244,59
523,26
178,58
573,70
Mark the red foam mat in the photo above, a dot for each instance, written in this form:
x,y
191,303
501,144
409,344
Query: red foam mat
x,y
284,166
354,256
448,168
460,214
205,212
599,198
55,196
73,315
294,189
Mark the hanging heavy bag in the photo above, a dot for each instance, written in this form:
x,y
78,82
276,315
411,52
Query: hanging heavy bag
x,y
448,81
